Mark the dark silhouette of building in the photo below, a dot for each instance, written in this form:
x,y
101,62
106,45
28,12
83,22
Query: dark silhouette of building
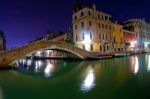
x,y
2,41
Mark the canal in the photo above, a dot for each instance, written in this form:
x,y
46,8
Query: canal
x,y
119,78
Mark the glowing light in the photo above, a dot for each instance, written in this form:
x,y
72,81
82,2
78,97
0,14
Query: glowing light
x,y
87,38
29,62
89,82
38,65
136,68
38,53
48,53
48,70
17,64
148,68
133,43
23,61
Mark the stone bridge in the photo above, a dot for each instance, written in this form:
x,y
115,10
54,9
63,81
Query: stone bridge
x,y
10,56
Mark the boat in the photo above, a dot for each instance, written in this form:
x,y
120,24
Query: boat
x,y
121,54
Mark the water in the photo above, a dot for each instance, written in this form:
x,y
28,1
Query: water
x,y
120,78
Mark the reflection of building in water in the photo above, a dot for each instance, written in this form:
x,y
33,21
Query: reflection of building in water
x,y
134,64
1,93
48,67
148,67
89,80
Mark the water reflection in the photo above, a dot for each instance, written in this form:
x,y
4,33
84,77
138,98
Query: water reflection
x,y
89,80
108,79
38,66
45,67
134,64
1,94
148,67
49,69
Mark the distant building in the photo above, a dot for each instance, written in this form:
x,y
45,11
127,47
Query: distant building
x,y
2,41
142,30
92,29
1,44
61,36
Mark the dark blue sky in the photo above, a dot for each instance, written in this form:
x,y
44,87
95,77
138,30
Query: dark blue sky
x,y
24,20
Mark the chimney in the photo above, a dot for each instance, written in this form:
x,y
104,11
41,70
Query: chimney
x,y
116,22
94,10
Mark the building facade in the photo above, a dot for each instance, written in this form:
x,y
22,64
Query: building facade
x,y
92,29
130,41
142,30
118,41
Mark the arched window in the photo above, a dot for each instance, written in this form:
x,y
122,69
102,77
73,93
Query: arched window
x,y
91,36
82,14
89,12
75,17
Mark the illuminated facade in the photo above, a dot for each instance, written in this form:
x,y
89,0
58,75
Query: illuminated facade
x,y
118,41
92,29
130,40
142,30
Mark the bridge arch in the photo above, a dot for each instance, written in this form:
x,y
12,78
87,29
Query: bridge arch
x,y
10,56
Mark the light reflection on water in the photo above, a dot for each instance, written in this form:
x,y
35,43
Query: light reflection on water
x,y
102,78
46,67
1,94
49,68
134,64
89,80
148,67
136,68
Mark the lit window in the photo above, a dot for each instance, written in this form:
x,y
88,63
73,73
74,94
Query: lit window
x,y
91,35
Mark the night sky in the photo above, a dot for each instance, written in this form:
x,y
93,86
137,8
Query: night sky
x,y
24,20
